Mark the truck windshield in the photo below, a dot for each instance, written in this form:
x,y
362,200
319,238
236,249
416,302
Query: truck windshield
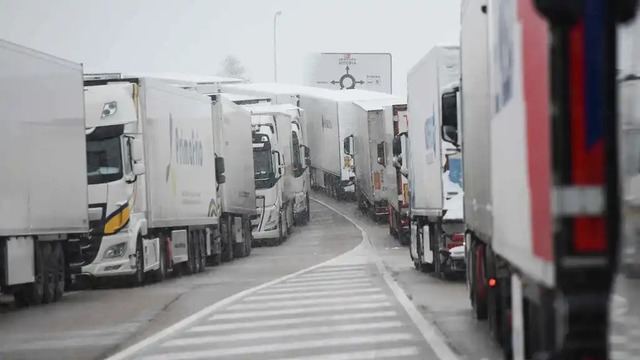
x,y
263,169
104,160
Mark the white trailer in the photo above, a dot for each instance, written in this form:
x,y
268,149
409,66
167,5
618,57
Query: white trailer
x,y
233,143
43,179
434,162
396,177
330,125
152,177
371,155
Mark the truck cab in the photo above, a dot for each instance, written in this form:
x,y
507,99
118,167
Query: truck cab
x,y
300,161
271,132
115,171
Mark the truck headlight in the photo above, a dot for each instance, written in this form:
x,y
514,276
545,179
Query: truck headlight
x,y
115,251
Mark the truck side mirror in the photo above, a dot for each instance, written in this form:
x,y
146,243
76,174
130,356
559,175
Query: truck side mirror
x,y
348,145
381,154
278,165
137,149
138,168
306,154
449,126
220,178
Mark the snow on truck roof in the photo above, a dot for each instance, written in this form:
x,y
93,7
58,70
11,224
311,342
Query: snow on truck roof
x,y
290,89
264,108
190,79
380,104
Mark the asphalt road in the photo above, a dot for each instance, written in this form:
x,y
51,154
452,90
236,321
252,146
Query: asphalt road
x,y
323,294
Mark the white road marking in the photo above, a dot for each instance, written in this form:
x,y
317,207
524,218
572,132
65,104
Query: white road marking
x,y
286,333
311,294
292,321
305,302
288,346
316,275
431,334
321,283
363,355
301,279
302,310
186,322
333,269
366,284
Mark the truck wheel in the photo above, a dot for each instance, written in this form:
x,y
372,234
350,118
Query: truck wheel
x,y
50,272
203,250
161,273
61,271
138,277
308,211
281,237
227,239
248,242
476,281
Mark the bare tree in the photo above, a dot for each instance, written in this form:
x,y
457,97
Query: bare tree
x,y
232,67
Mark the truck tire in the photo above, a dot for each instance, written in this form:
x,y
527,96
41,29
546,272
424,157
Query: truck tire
x,y
138,277
160,274
308,211
61,271
477,280
248,242
191,257
50,270
281,237
203,250
32,294
227,238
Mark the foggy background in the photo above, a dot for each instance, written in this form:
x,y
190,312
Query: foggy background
x,y
195,36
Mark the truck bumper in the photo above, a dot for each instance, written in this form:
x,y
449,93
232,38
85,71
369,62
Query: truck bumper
x,y
117,266
271,234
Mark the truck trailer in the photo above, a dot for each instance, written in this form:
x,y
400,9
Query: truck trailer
x,y
434,163
43,178
237,193
540,146
330,124
152,175
396,176
370,155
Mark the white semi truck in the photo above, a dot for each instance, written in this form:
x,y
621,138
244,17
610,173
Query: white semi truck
x,y
233,142
396,177
542,190
370,155
434,163
273,169
43,180
330,124
152,175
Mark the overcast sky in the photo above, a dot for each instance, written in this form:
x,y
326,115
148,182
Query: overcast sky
x,y
194,36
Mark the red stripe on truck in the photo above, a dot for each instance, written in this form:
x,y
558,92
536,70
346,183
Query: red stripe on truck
x,y
535,56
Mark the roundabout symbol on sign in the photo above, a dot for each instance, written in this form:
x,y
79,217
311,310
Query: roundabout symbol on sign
x,y
347,81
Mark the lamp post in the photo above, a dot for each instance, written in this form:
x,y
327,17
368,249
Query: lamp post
x,y
275,47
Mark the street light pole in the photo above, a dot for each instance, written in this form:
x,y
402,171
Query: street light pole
x,y
275,47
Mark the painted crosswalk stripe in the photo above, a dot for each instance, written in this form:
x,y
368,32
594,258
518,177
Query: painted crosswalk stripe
x,y
292,303
311,294
332,274
322,283
292,321
304,287
334,278
337,271
286,333
287,346
341,267
363,355
300,310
